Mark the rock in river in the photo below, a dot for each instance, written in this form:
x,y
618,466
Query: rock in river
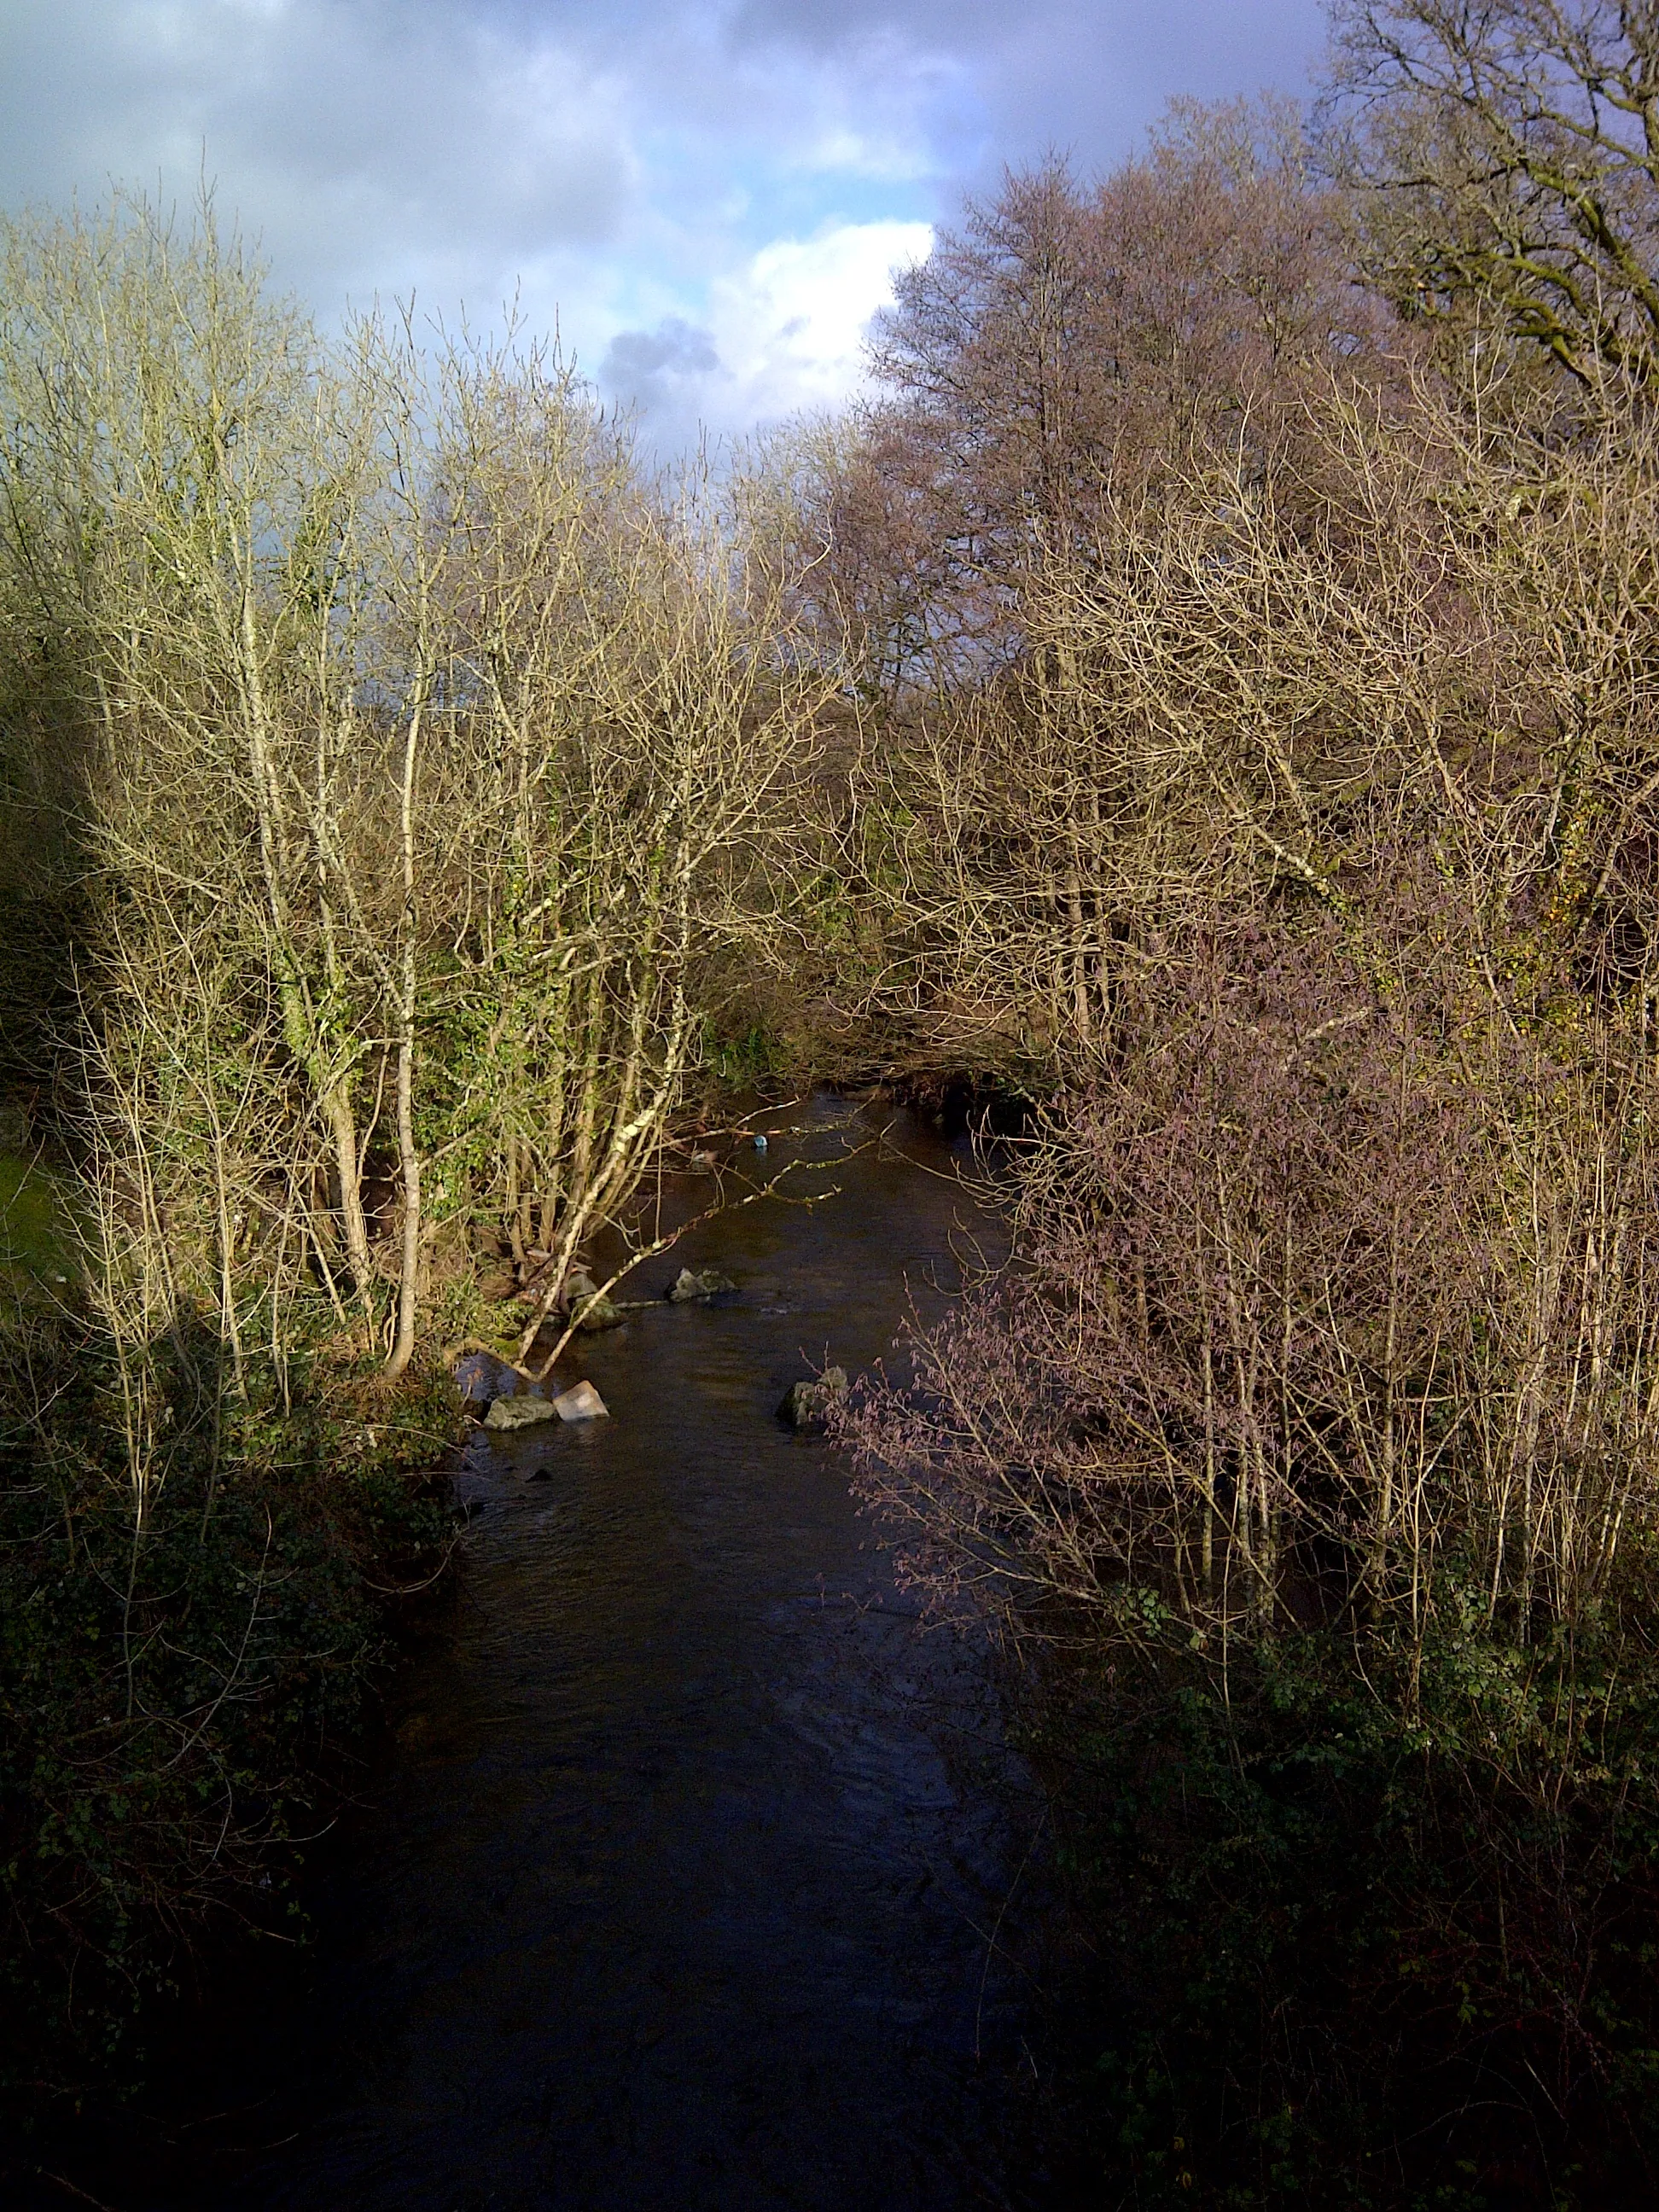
x,y
710,1283
807,1403
596,1313
581,1402
520,1413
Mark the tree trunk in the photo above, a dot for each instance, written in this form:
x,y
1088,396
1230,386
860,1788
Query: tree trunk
x,y
409,1159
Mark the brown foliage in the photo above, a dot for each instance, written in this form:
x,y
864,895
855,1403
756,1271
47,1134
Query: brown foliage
x,y
1335,1295
1069,341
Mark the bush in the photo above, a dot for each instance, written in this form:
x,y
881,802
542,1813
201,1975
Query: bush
x,y
180,1670
1308,1452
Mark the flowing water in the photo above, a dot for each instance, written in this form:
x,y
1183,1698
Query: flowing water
x,y
686,1881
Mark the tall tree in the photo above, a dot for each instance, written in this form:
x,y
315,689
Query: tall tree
x,y
1507,154
1068,341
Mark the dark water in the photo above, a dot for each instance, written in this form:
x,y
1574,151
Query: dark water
x,y
688,1883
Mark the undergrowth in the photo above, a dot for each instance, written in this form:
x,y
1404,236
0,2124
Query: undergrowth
x,y
1341,1958
179,1672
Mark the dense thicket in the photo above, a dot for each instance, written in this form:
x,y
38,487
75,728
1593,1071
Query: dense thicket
x,y
390,773
419,752
1295,847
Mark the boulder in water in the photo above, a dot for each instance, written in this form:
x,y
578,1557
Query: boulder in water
x,y
806,1404
520,1413
594,1312
581,1402
690,1284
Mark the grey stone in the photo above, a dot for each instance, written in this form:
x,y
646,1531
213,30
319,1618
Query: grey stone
x,y
581,1402
805,1404
593,1313
710,1283
520,1413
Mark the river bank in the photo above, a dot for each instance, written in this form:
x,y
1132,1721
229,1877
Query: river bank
x,y
200,1591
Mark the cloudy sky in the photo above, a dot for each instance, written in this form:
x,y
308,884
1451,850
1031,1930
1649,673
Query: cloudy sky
x,y
707,195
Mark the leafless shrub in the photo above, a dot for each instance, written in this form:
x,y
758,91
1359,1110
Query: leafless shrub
x,y
424,749
1334,1298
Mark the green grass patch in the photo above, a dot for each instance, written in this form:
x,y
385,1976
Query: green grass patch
x,y
37,1243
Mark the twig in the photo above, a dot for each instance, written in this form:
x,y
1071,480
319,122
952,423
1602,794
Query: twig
x,y
650,1252
70,2188
996,1931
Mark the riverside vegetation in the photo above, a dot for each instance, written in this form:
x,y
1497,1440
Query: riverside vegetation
x,y
388,775
1207,697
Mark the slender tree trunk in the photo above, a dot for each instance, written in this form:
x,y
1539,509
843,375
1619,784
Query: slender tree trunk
x,y
348,1166
1080,1007
408,1156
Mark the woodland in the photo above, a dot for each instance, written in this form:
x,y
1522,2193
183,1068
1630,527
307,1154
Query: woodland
x,y
1201,708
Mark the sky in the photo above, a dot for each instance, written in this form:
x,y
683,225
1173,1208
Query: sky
x,y
705,199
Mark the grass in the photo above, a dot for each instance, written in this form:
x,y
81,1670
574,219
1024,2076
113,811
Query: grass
x,y
37,1250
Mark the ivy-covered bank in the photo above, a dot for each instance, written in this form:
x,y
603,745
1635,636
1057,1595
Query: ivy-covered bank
x,y
183,1663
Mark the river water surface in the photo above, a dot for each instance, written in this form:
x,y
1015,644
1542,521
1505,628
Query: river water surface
x,y
686,1880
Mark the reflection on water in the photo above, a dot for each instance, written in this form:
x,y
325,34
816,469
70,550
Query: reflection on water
x,y
679,1881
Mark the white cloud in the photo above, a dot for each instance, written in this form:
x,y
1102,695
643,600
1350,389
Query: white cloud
x,y
789,327
676,183
780,333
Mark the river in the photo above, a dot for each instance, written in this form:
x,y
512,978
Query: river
x,y
694,1875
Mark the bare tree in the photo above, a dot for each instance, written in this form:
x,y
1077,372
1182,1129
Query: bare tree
x,y
1066,344
1508,153
429,754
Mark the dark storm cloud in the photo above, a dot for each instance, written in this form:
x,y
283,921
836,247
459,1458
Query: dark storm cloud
x,y
1085,75
653,368
370,141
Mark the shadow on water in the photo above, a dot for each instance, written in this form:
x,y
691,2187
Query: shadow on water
x,y
681,1878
